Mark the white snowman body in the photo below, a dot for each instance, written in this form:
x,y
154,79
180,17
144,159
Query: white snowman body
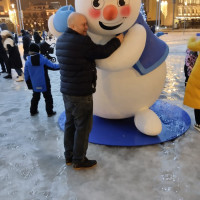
x,y
122,92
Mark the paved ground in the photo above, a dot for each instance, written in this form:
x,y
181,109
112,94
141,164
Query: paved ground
x,y
32,164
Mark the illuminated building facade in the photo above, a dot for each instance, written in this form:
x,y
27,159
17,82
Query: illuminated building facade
x,y
36,15
172,13
70,2
181,13
4,12
4,8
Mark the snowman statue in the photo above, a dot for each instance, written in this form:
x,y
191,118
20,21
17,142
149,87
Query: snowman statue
x,y
132,78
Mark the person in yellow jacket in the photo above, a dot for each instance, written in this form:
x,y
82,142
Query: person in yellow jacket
x,y
192,90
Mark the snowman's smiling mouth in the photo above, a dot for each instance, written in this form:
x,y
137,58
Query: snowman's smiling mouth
x,y
107,27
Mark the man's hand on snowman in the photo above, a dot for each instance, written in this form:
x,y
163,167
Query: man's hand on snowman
x,y
120,37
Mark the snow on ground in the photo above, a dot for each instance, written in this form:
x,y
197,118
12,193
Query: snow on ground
x,y
32,165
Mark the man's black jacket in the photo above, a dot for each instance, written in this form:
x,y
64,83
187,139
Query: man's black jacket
x,y
76,55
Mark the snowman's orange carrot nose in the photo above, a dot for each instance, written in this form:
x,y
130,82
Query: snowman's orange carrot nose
x,y
110,12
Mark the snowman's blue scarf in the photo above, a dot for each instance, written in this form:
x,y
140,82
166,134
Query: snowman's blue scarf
x,y
155,51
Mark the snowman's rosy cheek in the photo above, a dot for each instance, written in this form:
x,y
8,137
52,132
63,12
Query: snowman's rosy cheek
x,y
125,11
94,13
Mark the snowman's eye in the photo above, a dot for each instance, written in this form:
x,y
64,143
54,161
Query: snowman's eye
x,y
97,4
123,2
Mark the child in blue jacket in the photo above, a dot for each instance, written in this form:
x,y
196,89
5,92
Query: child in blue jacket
x,y
37,79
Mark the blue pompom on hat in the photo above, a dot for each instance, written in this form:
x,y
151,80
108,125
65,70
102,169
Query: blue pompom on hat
x,y
61,16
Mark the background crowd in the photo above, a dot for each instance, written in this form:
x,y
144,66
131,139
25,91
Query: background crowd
x,y
9,53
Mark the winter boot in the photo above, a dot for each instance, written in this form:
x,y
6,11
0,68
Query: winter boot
x,y
20,78
84,164
8,76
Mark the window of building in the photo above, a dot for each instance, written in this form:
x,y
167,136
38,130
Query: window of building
x,y
179,11
189,11
1,9
185,10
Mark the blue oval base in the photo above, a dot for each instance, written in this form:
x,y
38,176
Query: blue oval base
x,y
122,132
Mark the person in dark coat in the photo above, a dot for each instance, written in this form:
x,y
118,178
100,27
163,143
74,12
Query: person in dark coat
x,y
16,38
37,37
4,60
44,35
30,34
2,57
14,58
3,67
76,55
37,79
26,42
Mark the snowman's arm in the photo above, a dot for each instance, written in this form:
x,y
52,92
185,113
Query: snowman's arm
x,y
128,53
